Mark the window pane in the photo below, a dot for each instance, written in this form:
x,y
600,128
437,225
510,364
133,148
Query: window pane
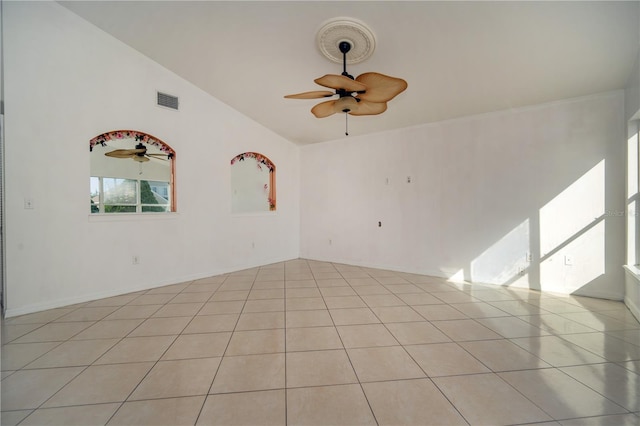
x,y
155,208
94,195
119,191
154,196
119,209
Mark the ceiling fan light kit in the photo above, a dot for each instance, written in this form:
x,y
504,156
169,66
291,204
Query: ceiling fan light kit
x,y
366,94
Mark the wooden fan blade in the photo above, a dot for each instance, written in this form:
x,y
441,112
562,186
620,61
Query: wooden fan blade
x,y
369,108
324,109
312,95
124,153
160,156
335,81
380,87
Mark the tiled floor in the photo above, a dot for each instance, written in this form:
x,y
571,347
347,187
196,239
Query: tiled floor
x,y
307,342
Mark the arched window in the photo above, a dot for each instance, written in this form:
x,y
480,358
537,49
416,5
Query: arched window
x,y
131,172
253,183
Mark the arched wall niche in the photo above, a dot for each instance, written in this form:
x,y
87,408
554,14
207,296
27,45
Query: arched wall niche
x,y
131,172
253,183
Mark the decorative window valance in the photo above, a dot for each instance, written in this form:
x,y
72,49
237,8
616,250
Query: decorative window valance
x,y
134,134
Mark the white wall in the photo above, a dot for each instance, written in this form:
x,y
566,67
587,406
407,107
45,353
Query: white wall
x,y
485,193
67,82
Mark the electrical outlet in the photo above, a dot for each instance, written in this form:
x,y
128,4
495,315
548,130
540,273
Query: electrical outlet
x,y
568,260
28,203
135,259
521,271
529,257
408,179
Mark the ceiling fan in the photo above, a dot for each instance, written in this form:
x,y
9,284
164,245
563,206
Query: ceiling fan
x,y
139,154
367,94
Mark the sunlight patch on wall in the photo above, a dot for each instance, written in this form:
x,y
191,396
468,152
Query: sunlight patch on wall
x,y
632,201
506,260
586,259
572,210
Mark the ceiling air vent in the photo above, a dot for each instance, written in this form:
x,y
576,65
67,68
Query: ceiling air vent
x,y
168,101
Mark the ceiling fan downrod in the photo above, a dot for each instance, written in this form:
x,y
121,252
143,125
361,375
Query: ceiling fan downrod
x,y
345,47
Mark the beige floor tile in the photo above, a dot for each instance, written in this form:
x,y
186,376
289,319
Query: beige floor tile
x,y
157,412
303,292
417,299
87,314
227,307
313,338
445,359
511,327
74,353
500,405
387,363
374,300
289,283
559,395
391,280
178,310
463,330
317,368
556,324
300,275
410,402
440,312
337,302
16,356
246,408
610,348
202,287
237,284
353,316
267,285
502,355
199,297
83,415
205,345
265,305
316,318
406,288
116,383
250,372
557,351
326,275
260,321
212,323
331,282
337,291
272,293
30,388
454,297
615,382
169,289
224,296
414,333
305,304
54,332
109,329
12,332
519,308
256,342
479,310
133,312
364,290
137,349
328,405
614,420
185,377
13,418
161,327
360,281
391,314
366,335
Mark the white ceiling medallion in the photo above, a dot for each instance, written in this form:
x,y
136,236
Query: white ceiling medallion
x,y
356,33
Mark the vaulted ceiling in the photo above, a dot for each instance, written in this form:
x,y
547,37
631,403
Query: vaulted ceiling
x,y
459,58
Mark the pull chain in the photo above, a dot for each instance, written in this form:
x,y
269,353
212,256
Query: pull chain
x,y
346,124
